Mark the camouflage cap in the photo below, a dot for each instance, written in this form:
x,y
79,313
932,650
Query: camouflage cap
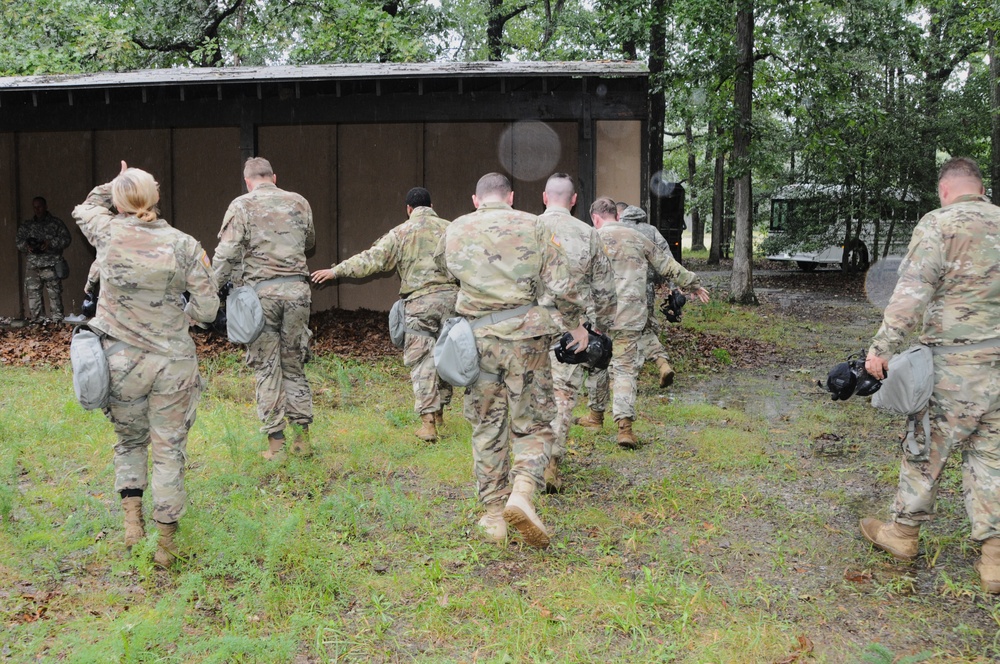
x,y
634,214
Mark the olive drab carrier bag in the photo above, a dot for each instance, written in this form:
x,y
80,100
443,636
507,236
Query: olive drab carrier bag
x,y
455,353
91,376
909,383
244,315
397,325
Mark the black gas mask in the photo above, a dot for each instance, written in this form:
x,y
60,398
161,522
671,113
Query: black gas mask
x,y
597,354
849,378
672,305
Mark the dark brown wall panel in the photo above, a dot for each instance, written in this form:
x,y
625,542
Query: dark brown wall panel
x,y
207,176
378,164
10,293
59,167
305,161
541,149
456,155
145,149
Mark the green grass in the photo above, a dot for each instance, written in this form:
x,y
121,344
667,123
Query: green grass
x,y
724,539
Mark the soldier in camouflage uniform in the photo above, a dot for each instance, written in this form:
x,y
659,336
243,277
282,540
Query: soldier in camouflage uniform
x,y
631,254
949,290
595,281
43,239
649,343
429,293
502,259
265,235
146,266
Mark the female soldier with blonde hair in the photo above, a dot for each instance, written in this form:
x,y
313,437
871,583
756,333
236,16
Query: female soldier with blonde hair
x,y
146,266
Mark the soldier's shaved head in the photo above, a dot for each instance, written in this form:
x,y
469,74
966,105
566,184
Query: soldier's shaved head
x,y
418,197
257,168
602,211
493,184
559,191
959,176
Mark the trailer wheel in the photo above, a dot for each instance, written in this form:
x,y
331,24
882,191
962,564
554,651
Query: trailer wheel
x,y
855,258
807,266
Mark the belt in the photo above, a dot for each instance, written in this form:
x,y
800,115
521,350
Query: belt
x,y
965,348
278,280
500,316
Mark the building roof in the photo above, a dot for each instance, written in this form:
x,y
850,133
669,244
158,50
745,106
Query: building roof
x,y
346,72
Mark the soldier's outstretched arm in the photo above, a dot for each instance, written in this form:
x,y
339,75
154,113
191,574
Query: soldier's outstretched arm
x,y
380,257
94,215
203,301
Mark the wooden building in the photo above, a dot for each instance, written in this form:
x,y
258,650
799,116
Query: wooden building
x,y
353,139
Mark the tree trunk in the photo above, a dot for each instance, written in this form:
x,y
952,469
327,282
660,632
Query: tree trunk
x,y
741,280
657,108
995,117
697,228
718,209
494,31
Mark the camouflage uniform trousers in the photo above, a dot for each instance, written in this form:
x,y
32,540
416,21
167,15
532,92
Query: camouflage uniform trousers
x,y
965,415
625,365
426,313
567,379
153,402
278,357
37,277
598,390
649,342
512,416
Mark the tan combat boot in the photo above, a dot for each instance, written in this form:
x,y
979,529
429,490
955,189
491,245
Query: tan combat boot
x,y
300,444
135,528
553,480
988,566
166,551
626,438
666,372
492,522
439,418
427,431
275,447
898,540
592,420
520,513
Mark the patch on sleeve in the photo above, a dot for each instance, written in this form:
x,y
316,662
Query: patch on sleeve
x,y
206,261
554,240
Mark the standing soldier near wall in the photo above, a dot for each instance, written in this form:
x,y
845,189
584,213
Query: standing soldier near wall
x,y
265,235
43,239
429,293
503,259
631,254
590,269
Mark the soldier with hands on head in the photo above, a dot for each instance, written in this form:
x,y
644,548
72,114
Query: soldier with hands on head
x,y
145,267
631,254
591,270
429,294
42,239
949,291
265,236
503,259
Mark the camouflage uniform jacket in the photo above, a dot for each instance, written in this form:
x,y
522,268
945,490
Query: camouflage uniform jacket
x,y
631,255
635,218
587,262
48,228
268,231
409,249
949,283
145,268
501,257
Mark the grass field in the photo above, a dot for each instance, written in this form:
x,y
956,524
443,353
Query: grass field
x,y
729,537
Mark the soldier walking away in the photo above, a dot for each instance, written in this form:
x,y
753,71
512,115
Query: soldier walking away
x,y
146,266
631,255
429,294
591,271
265,236
502,259
948,291
42,239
